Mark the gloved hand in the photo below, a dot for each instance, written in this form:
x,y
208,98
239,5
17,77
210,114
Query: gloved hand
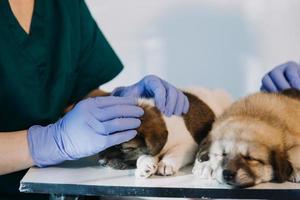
x,y
282,77
91,126
168,99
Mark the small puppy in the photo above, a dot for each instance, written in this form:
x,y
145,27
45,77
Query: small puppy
x,y
163,145
256,140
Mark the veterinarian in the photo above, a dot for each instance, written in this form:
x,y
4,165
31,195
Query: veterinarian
x,y
282,77
52,55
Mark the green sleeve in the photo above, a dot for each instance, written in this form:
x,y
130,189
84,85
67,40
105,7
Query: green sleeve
x,y
97,63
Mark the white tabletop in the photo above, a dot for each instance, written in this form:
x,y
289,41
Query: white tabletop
x,y
85,177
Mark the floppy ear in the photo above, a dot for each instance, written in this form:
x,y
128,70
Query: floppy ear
x,y
156,141
282,168
153,130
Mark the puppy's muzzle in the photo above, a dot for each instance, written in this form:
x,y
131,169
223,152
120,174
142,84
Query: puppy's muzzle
x,y
228,175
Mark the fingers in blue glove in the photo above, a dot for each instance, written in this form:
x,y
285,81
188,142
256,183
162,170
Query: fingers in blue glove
x,y
171,100
180,104
111,101
168,99
292,74
121,137
96,125
118,91
186,105
262,89
177,103
278,78
120,124
154,84
268,84
119,111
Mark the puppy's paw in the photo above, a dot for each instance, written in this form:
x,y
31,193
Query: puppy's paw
x,y
295,177
167,167
203,170
146,166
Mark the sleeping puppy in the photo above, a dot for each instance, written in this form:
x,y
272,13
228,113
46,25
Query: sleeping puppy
x,y
256,140
163,144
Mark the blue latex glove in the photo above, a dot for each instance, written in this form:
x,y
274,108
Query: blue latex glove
x,y
168,99
282,77
91,126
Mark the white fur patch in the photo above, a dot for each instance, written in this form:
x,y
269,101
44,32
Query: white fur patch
x,y
145,101
146,166
203,170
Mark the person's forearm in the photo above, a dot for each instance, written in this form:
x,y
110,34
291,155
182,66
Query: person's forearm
x,y
14,152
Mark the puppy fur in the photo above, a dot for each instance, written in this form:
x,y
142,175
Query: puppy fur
x,y
163,144
256,140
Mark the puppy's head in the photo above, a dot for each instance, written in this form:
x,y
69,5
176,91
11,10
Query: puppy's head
x,y
151,137
245,152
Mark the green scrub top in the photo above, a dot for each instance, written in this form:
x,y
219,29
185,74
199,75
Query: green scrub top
x,y
61,60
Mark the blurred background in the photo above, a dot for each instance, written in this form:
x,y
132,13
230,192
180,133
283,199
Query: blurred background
x,y
227,44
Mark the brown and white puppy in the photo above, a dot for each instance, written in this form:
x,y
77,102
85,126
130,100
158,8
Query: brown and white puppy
x,y
163,144
256,140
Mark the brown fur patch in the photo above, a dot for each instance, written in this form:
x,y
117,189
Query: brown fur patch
x,y
251,108
199,118
273,109
153,129
151,138
293,93
282,168
97,93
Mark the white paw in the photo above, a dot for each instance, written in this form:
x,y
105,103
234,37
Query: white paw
x,y
203,170
295,177
167,167
146,166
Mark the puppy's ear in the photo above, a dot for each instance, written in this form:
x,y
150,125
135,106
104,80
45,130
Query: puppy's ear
x,y
153,129
156,141
282,168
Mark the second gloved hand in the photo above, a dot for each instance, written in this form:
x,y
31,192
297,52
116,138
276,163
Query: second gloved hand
x,y
168,99
282,77
91,126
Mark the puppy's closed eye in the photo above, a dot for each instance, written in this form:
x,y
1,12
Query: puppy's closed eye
x,y
253,160
128,149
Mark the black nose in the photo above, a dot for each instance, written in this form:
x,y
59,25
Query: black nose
x,y
228,175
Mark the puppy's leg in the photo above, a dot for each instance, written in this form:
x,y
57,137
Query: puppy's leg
x,y
202,166
176,158
295,161
146,166
203,170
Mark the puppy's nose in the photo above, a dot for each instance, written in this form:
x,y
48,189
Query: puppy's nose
x,y
228,175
